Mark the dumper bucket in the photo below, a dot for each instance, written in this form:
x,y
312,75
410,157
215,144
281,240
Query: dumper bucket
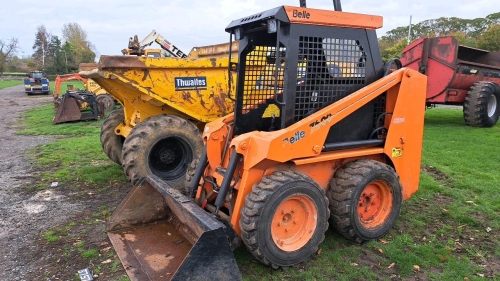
x,y
159,234
68,110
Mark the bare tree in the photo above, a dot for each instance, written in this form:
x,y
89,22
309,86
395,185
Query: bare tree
x,y
7,51
41,45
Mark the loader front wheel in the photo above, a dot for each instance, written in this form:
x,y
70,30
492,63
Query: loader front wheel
x,y
163,145
112,143
365,200
482,104
284,219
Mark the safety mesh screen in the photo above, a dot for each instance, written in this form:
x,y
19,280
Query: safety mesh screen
x,y
379,112
263,76
328,70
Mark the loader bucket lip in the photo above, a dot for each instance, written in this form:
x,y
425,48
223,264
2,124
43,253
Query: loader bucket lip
x,y
160,234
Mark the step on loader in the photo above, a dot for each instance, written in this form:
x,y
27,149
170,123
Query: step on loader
x,y
327,136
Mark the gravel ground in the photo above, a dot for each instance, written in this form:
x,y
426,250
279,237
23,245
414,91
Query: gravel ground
x,y
26,213
23,215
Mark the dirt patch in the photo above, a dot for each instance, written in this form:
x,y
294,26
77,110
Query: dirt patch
x,y
437,175
75,214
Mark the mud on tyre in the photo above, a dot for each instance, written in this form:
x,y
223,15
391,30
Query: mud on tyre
x,y
112,143
163,145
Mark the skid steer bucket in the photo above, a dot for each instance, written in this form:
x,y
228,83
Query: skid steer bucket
x,y
67,110
71,105
159,234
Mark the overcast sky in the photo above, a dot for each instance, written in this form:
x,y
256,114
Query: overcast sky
x,y
109,23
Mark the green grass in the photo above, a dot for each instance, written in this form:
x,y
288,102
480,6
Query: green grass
x,y
64,86
76,156
50,236
90,253
10,83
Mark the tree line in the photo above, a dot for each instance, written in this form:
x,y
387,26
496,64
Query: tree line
x,y
51,54
482,33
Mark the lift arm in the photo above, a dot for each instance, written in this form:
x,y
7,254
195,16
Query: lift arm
x,y
154,36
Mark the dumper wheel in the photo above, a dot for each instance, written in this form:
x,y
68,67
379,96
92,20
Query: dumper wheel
x,y
190,174
482,104
163,145
106,101
112,143
365,200
284,219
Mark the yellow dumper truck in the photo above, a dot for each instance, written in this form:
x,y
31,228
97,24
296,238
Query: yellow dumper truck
x,y
166,103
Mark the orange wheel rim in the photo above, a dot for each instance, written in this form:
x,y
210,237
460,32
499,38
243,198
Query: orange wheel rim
x,y
375,204
294,223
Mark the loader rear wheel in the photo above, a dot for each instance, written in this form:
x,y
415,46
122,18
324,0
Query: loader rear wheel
x,y
163,145
112,143
284,219
365,200
482,104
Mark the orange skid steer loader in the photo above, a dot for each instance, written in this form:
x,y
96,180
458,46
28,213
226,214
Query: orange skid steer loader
x,y
328,137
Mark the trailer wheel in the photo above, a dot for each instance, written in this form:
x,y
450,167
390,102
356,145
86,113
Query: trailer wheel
x,y
106,101
112,143
365,200
482,104
163,145
284,219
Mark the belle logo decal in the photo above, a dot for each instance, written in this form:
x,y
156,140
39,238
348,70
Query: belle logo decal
x,y
293,139
190,83
301,15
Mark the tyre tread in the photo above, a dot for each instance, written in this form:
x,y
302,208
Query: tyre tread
x,y
341,188
130,153
254,203
111,143
476,102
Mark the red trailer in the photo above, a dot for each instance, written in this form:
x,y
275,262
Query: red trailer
x,y
458,75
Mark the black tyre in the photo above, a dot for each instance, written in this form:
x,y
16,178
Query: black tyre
x,y
106,102
163,145
284,219
482,104
365,200
112,143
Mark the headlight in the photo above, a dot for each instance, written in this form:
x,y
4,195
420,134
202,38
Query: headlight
x,y
271,26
